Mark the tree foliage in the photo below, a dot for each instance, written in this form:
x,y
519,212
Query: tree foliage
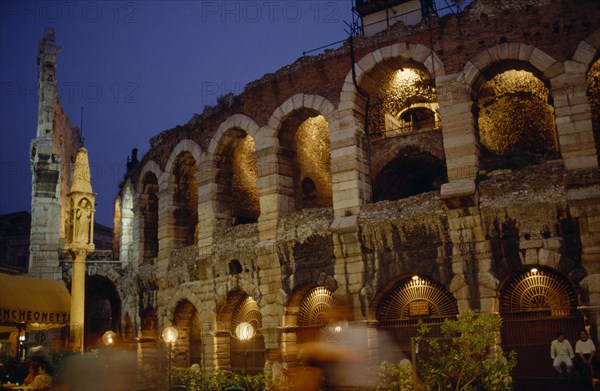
x,y
467,358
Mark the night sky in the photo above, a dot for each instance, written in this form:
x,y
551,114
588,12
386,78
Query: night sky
x,y
138,68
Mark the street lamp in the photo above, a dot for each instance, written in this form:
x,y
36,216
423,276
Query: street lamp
x,y
169,335
109,338
245,332
21,348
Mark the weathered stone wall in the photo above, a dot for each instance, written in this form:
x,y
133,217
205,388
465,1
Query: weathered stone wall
x,y
52,156
473,235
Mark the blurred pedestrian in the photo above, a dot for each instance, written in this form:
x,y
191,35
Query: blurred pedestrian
x,y
34,370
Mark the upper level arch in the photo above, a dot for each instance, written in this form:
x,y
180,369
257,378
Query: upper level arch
x,y
183,197
473,73
515,113
234,171
303,153
397,54
236,121
313,103
186,145
587,50
149,166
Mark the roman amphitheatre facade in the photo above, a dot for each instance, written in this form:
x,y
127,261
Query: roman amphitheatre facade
x,y
406,177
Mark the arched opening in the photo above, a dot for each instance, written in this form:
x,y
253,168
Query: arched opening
x,y
535,304
148,204
405,307
419,117
410,173
305,157
593,78
515,116
188,347
403,100
149,349
247,356
102,310
315,309
149,325
185,200
236,177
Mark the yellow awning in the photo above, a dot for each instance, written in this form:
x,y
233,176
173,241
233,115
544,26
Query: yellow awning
x,y
38,303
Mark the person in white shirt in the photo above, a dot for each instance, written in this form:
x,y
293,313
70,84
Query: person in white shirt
x,y
586,359
561,352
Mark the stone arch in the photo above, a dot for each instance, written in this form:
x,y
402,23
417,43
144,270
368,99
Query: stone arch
x,y
186,145
513,78
588,49
303,153
535,303
409,172
236,121
148,207
233,195
149,324
249,356
402,306
102,308
588,53
315,103
182,200
350,98
472,73
149,166
188,347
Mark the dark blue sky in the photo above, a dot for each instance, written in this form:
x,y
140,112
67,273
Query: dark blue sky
x,y
141,67
138,68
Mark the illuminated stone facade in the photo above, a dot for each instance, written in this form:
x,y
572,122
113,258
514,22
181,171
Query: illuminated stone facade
x,y
52,156
461,151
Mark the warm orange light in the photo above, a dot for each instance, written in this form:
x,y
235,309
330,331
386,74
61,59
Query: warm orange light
x,y
244,331
109,338
170,334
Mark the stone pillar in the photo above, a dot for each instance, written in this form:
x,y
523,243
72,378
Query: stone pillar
x,y
350,167
458,126
584,204
574,117
76,324
275,187
468,237
272,304
79,243
207,205
165,224
349,266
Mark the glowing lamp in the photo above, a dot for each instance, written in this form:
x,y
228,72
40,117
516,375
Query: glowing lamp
x,y
170,334
244,331
109,338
